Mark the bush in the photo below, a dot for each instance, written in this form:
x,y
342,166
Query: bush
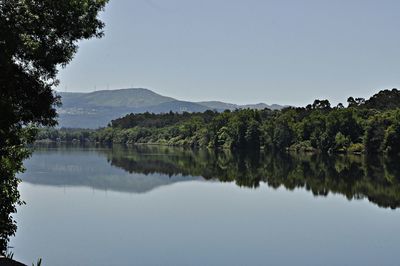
x,y
356,148
303,146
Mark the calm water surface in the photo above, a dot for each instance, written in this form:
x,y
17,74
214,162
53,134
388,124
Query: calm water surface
x,y
168,206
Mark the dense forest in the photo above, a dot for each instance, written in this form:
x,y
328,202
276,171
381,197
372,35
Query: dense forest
x,y
371,126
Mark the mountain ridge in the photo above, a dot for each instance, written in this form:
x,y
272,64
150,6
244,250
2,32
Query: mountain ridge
x,y
98,108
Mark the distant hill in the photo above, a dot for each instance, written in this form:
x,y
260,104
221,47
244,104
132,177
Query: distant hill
x,y
221,106
97,109
215,105
134,98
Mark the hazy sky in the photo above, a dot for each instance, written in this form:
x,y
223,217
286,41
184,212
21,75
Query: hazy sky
x,y
243,51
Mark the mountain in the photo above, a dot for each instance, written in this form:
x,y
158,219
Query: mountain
x,y
216,105
134,98
97,109
221,106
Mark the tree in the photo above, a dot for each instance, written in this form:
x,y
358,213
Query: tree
x,y
355,102
253,135
339,106
384,100
321,104
392,135
392,139
374,135
36,38
344,121
341,142
283,135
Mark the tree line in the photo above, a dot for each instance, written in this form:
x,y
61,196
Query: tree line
x,y
364,126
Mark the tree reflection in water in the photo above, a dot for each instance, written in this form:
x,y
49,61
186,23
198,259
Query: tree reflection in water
x,y
356,177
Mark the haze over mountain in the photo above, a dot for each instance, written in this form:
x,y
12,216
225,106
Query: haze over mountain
x,y
97,109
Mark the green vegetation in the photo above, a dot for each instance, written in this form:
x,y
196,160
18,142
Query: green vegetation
x,y
36,39
97,109
370,126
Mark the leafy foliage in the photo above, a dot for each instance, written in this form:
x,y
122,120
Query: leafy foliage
x,y
316,127
36,37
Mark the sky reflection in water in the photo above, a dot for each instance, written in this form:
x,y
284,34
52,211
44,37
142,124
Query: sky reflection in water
x,y
78,210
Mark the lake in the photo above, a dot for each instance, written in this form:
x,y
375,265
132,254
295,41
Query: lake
x,y
153,205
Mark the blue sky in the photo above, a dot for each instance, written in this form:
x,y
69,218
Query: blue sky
x,y
286,52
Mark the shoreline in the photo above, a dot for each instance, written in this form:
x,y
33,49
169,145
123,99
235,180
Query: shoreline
x,y
288,150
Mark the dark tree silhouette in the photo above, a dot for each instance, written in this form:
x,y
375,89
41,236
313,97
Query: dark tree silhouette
x,y
36,37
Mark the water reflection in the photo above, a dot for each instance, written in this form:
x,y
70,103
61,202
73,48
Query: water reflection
x,y
148,167
87,166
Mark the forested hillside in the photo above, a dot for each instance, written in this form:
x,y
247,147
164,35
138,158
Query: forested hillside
x,y
371,126
97,109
